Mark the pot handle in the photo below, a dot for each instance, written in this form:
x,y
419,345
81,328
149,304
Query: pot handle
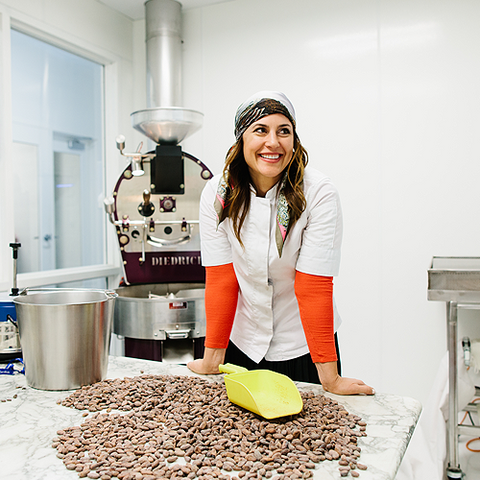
x,y
109,293
177,334
26,290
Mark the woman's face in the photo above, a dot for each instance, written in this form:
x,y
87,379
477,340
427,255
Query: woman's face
x,y
268,149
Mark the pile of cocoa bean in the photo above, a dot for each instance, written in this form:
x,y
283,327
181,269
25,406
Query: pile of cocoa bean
x,y
154,427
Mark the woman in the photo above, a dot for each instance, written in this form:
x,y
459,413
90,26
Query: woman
x,y
271,233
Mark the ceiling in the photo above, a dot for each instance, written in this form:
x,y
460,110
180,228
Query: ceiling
x,y
135,9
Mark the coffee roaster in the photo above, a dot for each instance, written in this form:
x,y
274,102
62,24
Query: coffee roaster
x,y
154,208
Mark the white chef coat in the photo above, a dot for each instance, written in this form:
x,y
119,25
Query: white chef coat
x,y
267,321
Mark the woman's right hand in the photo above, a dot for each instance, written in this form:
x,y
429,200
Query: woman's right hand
x,y
208,365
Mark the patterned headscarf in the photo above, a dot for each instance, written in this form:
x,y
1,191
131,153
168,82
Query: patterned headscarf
x,y
256,107
260,105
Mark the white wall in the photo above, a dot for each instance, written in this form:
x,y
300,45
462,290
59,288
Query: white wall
x,y
387,99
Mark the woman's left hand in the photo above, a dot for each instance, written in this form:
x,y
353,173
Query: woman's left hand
x,y
332,382
348,386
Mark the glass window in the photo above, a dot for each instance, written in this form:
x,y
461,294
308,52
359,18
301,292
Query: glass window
x,y
57,109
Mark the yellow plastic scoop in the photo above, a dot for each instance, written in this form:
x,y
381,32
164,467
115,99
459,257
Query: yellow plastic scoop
x,y
266,393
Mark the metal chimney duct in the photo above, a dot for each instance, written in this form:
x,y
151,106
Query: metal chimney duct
x,y
164,53
165,121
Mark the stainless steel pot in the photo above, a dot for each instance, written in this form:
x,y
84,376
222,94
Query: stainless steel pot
x,y
65,336
160,311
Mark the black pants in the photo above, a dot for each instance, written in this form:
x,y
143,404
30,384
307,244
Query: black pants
x,y
300,369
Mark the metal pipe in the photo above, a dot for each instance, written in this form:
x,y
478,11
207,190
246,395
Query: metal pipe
x,y
15,247
164,53
453,466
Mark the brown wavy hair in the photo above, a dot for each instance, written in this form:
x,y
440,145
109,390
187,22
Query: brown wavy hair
x,y
237,176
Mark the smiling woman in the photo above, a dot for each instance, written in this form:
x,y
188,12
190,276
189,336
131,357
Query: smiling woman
x,y
271,233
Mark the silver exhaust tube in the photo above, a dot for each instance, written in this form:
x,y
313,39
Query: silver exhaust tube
x,y
164,53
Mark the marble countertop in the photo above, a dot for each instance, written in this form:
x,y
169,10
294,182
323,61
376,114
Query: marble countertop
x,y
29,420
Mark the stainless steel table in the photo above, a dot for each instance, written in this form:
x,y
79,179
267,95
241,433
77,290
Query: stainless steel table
x,y
456,281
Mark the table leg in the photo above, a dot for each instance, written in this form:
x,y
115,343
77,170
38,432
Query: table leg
x,y
453,468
